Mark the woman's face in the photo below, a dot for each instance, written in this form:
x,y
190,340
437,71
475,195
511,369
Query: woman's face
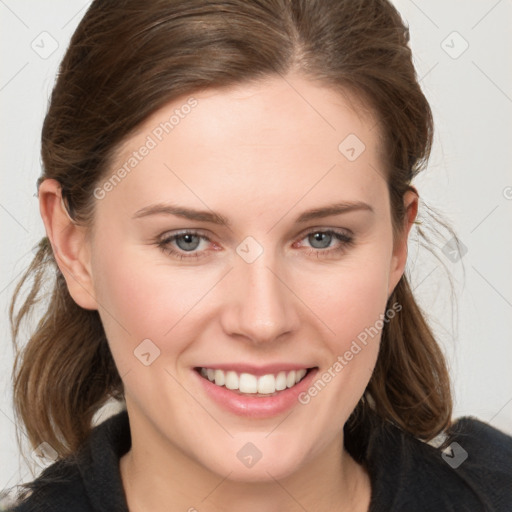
x,y
256,294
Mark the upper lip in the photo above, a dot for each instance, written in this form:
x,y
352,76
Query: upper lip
x,y
257,370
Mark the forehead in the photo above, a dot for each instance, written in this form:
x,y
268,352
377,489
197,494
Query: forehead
x,y
271,139
293,105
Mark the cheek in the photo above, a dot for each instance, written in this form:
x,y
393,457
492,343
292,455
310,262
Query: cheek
x,y
142,300
150,303
352,300
353,307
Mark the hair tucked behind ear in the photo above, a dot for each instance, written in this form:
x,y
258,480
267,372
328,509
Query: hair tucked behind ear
x,y
129,58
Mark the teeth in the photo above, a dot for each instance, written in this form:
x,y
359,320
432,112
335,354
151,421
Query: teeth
x,y
248,383
281,381
266,384
220,378
232,381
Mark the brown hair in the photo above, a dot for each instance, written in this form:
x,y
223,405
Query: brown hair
x,y
125,61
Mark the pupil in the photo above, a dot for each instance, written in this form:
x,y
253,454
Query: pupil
x,y
323,238
188,240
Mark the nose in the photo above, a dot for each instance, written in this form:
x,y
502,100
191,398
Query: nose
x,y
261,305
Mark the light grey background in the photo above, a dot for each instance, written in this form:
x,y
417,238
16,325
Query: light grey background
x,y
469,180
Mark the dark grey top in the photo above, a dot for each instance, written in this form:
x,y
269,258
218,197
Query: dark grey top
x,y
473,474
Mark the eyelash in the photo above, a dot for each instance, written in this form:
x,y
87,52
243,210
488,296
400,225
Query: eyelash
x,y
345,239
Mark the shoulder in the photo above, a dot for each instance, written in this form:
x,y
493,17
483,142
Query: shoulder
x,y
481,457
470,471
58,488
88,481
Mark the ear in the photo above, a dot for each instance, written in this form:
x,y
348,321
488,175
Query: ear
x,y
69,243
399,258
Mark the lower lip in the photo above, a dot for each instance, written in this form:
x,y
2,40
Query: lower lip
x,y
252,406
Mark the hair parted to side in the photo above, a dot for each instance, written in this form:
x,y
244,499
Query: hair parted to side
x,y
129,58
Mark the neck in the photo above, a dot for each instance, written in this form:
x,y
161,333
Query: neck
x,y
154,477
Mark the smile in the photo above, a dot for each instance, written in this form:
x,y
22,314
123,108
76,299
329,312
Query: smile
x,y
247,383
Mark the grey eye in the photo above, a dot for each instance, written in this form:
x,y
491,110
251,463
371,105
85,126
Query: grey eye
x,y
191,242
324,239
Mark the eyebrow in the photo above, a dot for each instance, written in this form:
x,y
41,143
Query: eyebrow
x,y
217,218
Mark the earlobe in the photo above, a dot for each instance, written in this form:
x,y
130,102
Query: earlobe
x,y
400,252
69,244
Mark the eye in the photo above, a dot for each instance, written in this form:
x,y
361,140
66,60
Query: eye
x,y
185,244
321,240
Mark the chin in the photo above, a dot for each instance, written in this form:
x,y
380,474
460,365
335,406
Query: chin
x,y
244,462
261,472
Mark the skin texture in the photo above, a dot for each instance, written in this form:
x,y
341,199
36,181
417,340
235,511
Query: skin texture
x,y
260,155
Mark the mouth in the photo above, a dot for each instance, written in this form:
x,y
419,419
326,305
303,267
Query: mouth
x,y
248,384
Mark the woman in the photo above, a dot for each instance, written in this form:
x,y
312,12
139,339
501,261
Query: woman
x,y
227,201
